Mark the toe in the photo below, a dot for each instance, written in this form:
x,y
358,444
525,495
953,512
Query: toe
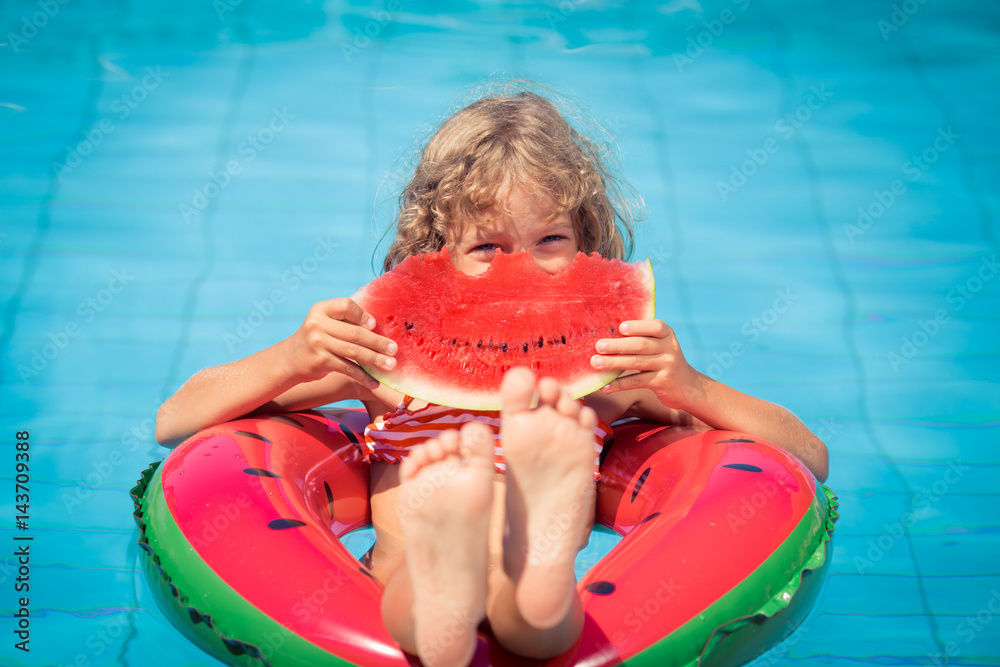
x,y
567,405
449,442
412,464
548,392
434,449
477,441
517,390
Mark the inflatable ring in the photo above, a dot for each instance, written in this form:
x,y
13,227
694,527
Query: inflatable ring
x,y
725,547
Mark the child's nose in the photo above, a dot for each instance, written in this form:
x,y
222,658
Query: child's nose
x,y
551,264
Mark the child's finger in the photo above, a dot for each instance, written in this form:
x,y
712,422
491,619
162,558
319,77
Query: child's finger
x,y
626,362
651,328
347,343
626,382
355,373
346,309
359,354
366,380
361,337
632,345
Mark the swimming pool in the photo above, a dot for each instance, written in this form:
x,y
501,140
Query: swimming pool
x,y
182,181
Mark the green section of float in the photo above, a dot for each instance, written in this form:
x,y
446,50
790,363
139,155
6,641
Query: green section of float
x,y
189,593
728,632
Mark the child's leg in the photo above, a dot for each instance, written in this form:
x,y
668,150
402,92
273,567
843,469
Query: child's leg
x,y
549,507
434,600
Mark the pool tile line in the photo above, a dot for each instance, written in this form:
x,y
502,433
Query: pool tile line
x,y
668,183
226,132
783,40
950,118
39,238
369,114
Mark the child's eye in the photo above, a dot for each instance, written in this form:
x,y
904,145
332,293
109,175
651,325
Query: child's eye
x,y
486,247
551,238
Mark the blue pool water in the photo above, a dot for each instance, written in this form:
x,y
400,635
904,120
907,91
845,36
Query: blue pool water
x,y
821,189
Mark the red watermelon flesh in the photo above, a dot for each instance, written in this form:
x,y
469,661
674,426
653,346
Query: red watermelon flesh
x,y
458,334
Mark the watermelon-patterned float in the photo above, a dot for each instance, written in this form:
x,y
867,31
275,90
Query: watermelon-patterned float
x,y
726,544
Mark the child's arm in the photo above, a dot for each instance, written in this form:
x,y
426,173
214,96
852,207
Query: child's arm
x,y
312,367
665,384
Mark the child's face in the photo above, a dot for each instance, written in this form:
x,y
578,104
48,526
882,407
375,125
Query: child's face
x,y
524,227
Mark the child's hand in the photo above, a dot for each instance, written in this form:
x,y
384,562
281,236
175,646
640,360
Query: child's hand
x,y
335,335
650,348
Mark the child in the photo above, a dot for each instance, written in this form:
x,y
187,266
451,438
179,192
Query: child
x,y
456,541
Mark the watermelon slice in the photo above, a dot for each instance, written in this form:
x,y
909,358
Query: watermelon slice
x,y
458,334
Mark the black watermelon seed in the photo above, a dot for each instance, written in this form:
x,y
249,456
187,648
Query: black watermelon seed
x,y
260,472
640,482
526,348
540,341
255,436
504,348
238,648
281,524
479,344
409,325
649,518
196,617
454,341
287,420
719,442
601,588
490,346
329,498
353,438
744,466
563,339
612,329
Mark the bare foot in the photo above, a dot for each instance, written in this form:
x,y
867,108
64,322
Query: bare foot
x,y
445,500
550,454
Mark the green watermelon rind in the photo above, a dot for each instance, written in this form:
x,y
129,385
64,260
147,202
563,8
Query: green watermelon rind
x,y
768,590
199,603
463,398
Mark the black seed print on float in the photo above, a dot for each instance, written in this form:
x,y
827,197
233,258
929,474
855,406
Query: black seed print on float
x,y
255,436
329,498
640,482
648,518
286,419
601,588
281,524
353,438
260,472
744,466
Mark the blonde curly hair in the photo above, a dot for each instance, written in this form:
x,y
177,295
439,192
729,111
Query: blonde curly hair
x,y
502,142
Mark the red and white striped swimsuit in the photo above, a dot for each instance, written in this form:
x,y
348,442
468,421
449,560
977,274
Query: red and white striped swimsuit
x,y
391,440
